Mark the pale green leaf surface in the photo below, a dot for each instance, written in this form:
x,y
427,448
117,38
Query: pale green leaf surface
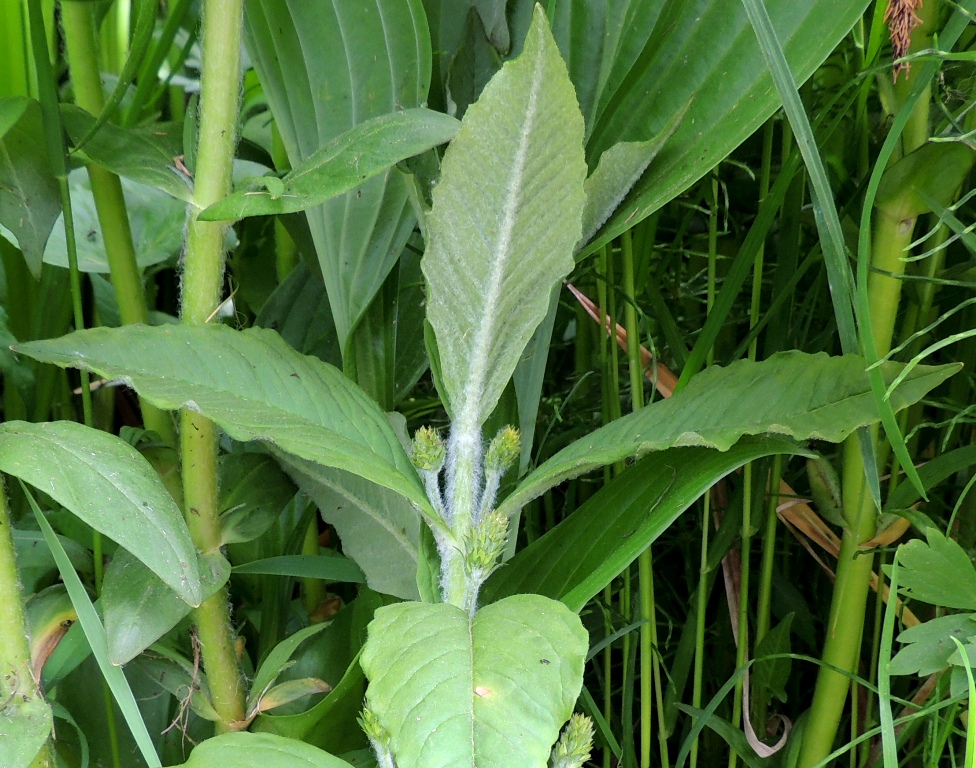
x,y
29,196
326,67
289,691
794,394
259,750
108,484
937,572
24,727
156,219
491,691
143,154
506,215
139,608
380,530
619,169
575,560
254,386
929,645
343,164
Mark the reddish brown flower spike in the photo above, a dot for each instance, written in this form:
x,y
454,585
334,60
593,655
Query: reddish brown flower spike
x,y
901,19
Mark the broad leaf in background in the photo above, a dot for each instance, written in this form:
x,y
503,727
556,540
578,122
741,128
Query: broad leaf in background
x,y
600,39
139,608
253,491
29,196
379,529
299,310
259,750
326,67
491,690
721,405
575,560
108,484
254,386
343,164
505,218
157,221
654,57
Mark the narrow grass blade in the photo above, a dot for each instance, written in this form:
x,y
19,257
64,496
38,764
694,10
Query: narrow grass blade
x,y
95,633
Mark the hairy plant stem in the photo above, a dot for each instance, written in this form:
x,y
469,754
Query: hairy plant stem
x,y
16,671
79,31
202,280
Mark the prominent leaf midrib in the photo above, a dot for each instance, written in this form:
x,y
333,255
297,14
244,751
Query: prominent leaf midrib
x,y
470,417
377,516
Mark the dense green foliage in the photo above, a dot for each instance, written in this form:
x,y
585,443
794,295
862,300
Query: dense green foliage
x,y
359,481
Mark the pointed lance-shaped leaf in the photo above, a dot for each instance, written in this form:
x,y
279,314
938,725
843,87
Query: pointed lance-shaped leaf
x,y
506,216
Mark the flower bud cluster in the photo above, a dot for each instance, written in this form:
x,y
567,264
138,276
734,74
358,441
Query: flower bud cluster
x,y
575,742
379,739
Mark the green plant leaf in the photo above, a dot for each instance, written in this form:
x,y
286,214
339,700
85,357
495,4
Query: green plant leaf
x,y
343,164
254,386
95,634
580,556
938,572
721,405
176,675
317,725
253,491
139,608
326,67
289,691
326,567
276,662
157,221
144,154
491,691
24,727
380,530
620,167
299,310
259,750
934,171
773,674
704,51
35,561
929,645
505,218
106,482
29,196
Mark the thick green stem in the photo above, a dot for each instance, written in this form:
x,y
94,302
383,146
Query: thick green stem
x,y
16,672
202,280
846,621
79,29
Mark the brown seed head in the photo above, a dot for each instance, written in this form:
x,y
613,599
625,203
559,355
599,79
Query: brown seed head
x,y
901,19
